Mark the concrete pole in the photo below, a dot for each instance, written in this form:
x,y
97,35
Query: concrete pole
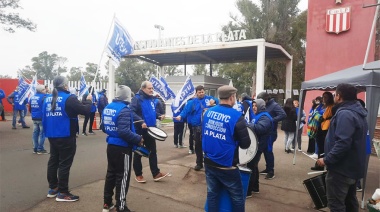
x,y
289,81
260,67
111,81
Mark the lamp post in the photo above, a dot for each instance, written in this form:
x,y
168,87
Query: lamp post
x,y
160,28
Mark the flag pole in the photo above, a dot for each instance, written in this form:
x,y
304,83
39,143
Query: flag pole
x,y
101,56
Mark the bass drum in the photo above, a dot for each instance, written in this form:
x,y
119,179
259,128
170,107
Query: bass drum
x,y
246,155
157,133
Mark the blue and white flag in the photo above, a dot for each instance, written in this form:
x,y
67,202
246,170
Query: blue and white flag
x,y
33,86
160,88
23,90
82,87
185,93
169,90
120,44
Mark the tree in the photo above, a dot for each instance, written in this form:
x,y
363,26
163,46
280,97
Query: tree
x,y
74,74
48,66
172,71
11,20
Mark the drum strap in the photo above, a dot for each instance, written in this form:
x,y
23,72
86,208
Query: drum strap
x,y
224,168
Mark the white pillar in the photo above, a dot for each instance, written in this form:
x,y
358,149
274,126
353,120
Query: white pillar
x,y
111,81
289,75
260,67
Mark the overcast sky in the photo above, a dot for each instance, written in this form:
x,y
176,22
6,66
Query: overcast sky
x,y
78,30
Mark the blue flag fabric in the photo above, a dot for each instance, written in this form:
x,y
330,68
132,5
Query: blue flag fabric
x,y
185,93
160,88
169,90
120,44
23,90
82,87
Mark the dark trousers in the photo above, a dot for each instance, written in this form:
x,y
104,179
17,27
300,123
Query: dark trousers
x,y
198,145
298,139
320,139
2,115
62,152
118,175
269,156
150,144
178,132
254,179
191,137
341,193
86,118
311,147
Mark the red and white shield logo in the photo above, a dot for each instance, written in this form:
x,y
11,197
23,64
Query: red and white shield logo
x,y
338,19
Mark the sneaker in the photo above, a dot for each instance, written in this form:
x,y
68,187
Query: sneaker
x,y
314,156
108,207
66,197
299,150
52,193
270,176
140,179
42,152
19,124
291,149
34,151
26,126
256,192
198,167
85,134
248,196
160,176
191,151
359,189
182,146
264,172
91,133
13,128
126,209
175,146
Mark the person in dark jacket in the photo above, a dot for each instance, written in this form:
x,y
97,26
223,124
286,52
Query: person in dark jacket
x,y
59,119
289,124
2,96
143,105
262,126
223,131
90,116
345,150
14,100
178,128
277,114
35,108
102,103
118,124
246,103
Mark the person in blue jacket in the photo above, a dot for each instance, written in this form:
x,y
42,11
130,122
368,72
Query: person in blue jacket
x,y
261,125
224,130
195,109
143,104
59,120
35,108
277,114
118,124
345,150
14,100
2,96
178,129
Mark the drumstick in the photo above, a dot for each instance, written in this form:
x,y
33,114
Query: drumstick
x,y
317,172
138,121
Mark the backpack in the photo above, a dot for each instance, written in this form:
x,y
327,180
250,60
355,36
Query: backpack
x,y
313,125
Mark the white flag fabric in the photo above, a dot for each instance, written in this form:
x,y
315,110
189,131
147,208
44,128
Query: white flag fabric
x,y
82,87
33,86
159,87
23,90
120,44
185,93
168,89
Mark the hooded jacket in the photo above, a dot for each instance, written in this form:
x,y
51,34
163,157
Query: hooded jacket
x,y
263,126
345,144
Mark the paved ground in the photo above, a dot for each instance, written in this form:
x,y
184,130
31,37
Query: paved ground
x,y
185,190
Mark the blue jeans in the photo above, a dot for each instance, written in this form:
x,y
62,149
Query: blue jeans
x,y
217,179
38,136
341,193
22,115
269,157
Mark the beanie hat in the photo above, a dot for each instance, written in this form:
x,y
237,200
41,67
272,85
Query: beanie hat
x,y
226,91
263,95
40,88
123,93
245,96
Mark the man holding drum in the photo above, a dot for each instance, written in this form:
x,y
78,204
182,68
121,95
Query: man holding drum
x,y
118,124
224,130
143,104
345,150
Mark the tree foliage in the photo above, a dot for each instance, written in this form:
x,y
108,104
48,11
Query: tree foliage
x,y
48,66
11,20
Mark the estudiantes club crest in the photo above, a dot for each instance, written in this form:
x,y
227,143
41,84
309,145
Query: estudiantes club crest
x,y
338,20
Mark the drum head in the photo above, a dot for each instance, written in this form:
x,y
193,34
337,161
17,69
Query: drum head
x,y
246,155
157,133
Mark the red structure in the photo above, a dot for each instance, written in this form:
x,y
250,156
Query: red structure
x,y
328,52
9,85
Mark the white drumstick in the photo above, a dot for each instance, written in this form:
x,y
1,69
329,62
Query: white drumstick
x,y
138,121
317,172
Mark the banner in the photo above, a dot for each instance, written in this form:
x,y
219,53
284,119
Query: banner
x,y
169,90
160,88
23,90
82,87
120,44
185,93
33,86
